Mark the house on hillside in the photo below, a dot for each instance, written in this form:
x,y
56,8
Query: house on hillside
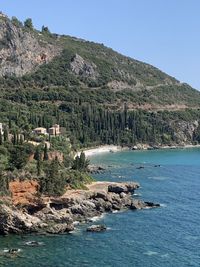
x,y
54,130
40,130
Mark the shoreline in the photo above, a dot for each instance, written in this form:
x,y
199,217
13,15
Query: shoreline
x,y
99,149
58,215
89,152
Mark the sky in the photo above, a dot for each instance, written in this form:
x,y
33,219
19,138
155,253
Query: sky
x,y
163,33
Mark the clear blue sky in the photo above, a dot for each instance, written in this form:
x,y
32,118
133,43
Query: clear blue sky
x,y
164,33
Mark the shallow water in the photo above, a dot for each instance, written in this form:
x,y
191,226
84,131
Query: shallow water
x,y
165,236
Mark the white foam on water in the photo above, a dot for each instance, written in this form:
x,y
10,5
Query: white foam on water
x,y
158,178
97,218
115,211
151,253
138,195
75,222
76,231
147,208
166,255
163,205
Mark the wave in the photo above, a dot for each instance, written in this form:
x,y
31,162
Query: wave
x,y
163,205
76,231
76,222
137,195
191,237
166,255
150,253
158,178
97,218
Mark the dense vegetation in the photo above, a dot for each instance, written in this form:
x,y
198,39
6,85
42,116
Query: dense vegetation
x,y
23,160
112,99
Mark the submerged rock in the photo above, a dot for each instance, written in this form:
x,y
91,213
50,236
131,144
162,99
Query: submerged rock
x,y
96,169
151,204
33,243
96,228
122,187
60,228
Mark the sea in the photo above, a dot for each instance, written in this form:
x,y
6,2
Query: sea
x,y
168,236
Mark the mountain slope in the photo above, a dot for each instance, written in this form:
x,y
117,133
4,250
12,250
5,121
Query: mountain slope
x,y
41,59
97,94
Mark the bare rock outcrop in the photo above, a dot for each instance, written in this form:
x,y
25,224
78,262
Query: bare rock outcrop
x,y
57,215
13,220
82,67
20,51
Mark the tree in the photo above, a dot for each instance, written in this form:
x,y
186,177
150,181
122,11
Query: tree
x,y
10,123
46,157
80,163
18,157
17,22
5,134
45,30
39,167
1,138
53,183
28,24
4,186
37,154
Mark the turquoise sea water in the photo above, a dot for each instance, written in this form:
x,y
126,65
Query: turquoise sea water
x,y
168,236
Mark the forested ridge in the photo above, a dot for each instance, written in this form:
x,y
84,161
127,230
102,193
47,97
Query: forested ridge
x,y
96,94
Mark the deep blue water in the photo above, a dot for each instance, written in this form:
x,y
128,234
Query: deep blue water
x,y
168,236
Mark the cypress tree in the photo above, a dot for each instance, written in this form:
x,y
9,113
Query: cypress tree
x,y
5,135
37,155
1,138
46,157
39,166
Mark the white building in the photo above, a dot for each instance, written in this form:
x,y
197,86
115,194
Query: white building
x,y
40,130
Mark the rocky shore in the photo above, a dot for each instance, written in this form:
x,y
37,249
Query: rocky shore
x,y
55,215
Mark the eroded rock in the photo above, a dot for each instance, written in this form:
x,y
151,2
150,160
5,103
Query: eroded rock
x,y
96,228
59,214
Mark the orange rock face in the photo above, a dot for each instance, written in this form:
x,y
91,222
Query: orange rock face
x,y
23,192
52,155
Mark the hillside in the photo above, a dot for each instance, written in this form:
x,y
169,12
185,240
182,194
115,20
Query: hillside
x,y
97,94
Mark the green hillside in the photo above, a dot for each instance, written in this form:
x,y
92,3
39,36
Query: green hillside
x,y
96,94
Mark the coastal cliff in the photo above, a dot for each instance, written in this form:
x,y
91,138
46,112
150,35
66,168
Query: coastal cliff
x,y
60,214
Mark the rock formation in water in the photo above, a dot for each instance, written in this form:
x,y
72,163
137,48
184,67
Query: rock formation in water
x,y
58,214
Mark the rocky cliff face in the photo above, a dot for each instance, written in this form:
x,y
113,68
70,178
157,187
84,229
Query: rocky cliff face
x,y
185,130
57,215
20,51
23,192
84,68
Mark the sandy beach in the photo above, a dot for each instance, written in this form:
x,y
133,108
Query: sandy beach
x,y
101,149
113,148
